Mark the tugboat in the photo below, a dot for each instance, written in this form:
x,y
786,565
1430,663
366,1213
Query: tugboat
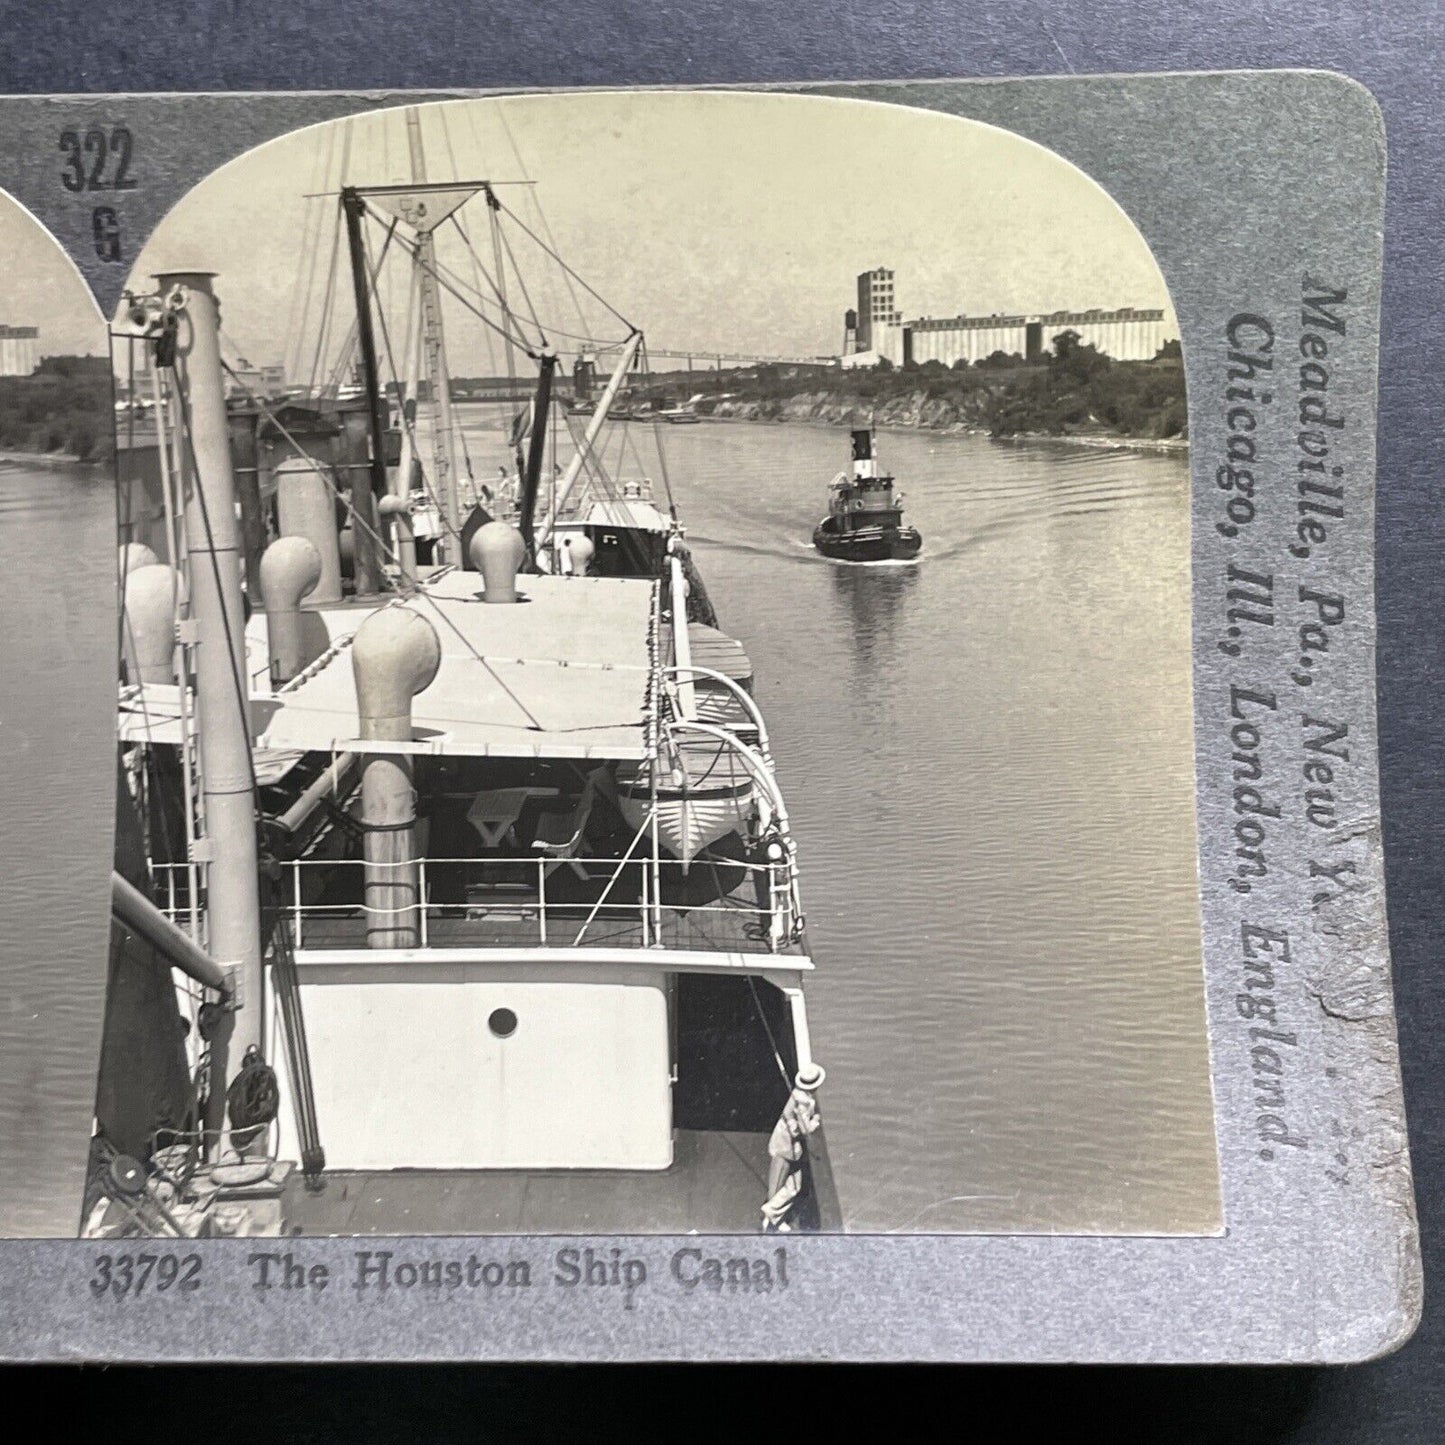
x,y
865,520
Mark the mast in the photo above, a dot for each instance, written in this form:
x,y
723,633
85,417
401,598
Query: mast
x,y
494,208
594,426
404,539
365,491
537,445
444,460
233,904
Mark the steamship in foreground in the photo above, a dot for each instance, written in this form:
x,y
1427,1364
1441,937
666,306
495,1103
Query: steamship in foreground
x,y
865,520
452,895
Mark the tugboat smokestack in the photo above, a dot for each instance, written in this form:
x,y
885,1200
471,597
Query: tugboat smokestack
x,y
290,571
394,656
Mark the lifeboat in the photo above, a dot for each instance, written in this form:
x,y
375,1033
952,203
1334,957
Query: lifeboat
x,y
704,795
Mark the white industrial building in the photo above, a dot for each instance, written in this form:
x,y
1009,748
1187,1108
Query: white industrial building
x,y
877,330
18,350
1125,334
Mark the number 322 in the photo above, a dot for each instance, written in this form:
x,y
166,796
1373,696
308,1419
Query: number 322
x,y
86,156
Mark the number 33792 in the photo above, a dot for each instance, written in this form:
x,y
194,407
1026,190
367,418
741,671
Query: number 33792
x,y
133,1274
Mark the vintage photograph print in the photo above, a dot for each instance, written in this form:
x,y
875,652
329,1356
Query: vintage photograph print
x,y
786,667
644,621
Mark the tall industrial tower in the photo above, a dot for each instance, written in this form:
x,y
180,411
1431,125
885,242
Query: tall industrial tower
x,y
876,306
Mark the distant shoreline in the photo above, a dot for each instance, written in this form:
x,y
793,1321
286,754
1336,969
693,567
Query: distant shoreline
x,y
55,461
1158,446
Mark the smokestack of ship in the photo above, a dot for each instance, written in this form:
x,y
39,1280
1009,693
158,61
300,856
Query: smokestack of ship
x,y
584,377
306,507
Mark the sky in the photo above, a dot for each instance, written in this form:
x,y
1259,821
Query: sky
x,y
41,287
721,221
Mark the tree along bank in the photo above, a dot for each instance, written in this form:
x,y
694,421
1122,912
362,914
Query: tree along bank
x,y
64,408
1074,393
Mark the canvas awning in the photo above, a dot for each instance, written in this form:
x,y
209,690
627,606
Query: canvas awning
x,y
564,673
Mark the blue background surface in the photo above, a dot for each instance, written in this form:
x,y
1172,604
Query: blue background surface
x,y
1395,49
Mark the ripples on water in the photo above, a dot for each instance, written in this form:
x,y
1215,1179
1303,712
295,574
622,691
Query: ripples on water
x,y
988,759
57,729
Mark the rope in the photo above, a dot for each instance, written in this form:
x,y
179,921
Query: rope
x,y
254,1097
298,1052
768,1029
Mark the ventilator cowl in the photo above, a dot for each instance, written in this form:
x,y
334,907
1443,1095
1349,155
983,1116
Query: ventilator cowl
x,y
581,551
394,655
497,552
290,571
134,555
152,596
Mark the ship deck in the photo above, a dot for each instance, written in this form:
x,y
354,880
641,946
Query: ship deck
x,y
716,1185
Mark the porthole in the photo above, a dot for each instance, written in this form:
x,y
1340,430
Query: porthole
x,y
502,1022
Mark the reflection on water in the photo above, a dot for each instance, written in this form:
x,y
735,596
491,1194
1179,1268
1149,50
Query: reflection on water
x,y
988,760
871,601
988,757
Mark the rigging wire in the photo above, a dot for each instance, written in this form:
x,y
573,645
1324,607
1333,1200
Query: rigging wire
x,y
331,285
148,762
447,279
410,424
303,291
596,296
768,1029
501,114
602,344
124,520
517,270
385,550
657,441
509,316
455,218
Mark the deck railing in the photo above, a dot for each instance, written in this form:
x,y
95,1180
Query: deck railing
x,y
529,901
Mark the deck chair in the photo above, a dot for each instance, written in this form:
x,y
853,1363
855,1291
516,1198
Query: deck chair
x,y
559,835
